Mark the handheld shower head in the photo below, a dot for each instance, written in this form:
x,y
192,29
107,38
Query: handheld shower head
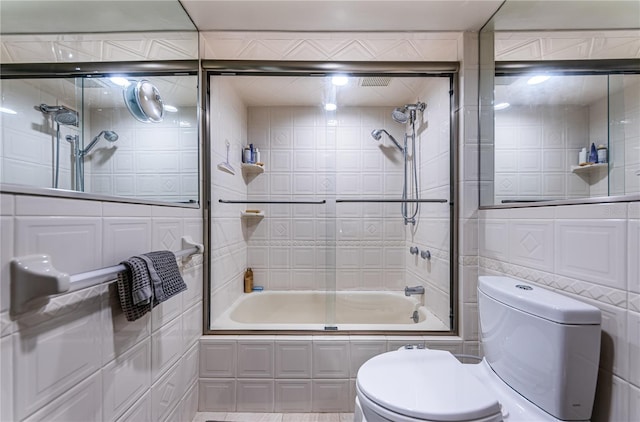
x,y
109,135
377,135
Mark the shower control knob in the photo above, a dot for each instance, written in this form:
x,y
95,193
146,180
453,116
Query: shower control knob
x,y
425,254
413,250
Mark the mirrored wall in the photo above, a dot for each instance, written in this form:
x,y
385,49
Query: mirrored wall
x,y
85,134
559,108
67,125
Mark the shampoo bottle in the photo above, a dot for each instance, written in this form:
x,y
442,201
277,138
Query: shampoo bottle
x,y
248,280
582,157
593,154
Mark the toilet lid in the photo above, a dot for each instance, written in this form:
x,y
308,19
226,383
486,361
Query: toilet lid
x,y
425,384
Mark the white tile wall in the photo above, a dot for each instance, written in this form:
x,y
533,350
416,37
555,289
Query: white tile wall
x,y
589,252
312,373
76,357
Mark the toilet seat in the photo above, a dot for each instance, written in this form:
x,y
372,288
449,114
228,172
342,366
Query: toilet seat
x,y
424,385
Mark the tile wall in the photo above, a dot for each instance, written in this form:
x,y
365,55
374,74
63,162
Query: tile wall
x,y
292,374
535,148
228,235
589,252
27,154
158,162
76,357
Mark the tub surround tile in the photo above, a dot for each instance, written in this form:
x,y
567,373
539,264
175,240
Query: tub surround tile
x,y
330,359
218,358
362,351
254,395
293,359
293,396
330,395
255,359
217,395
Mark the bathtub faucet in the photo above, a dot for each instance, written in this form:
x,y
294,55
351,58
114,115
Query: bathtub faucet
x,y
418,290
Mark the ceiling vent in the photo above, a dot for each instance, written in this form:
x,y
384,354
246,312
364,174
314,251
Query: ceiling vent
x,y
375,81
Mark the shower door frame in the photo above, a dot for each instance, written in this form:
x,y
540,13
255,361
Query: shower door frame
x,y
324,68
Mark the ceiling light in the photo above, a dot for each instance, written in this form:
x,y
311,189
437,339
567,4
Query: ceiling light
x,y
501,106
339,80
7,110
170,108
120,81
330,107
538,79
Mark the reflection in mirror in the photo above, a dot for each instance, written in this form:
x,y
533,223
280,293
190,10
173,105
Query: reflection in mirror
x,y
78,134
559,109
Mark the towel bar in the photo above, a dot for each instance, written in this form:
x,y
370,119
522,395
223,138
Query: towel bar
x,y
35,276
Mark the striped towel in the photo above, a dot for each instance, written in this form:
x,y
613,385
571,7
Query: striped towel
x,y
149,279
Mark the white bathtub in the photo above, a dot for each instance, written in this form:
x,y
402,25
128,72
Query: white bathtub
x,y
307,310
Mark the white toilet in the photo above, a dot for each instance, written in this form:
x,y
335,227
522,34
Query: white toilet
x,y
541,352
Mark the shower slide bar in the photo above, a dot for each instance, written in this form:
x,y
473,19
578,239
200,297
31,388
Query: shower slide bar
x,y
403,201
35,276
232,201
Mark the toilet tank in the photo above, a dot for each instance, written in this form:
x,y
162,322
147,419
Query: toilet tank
x,y
544,345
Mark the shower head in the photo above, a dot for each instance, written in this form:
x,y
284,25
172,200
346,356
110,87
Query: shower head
x,y
61,114
109,135
407,113
377,135
400,115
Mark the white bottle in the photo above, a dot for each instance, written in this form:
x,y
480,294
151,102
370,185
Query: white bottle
x,y
582,156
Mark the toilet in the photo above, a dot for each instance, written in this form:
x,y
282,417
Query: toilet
x,y
541,353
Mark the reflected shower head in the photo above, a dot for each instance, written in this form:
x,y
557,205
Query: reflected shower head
x,y
400,115
109,135
377,135
61,114
407,113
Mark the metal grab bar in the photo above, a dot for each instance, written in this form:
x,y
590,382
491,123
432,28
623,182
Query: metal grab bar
x,y
35,276
409,201
232,201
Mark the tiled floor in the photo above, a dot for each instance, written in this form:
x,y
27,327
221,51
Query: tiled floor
x,y
273,417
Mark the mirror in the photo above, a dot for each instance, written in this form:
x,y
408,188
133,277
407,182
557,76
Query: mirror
x,y
559,102
107,106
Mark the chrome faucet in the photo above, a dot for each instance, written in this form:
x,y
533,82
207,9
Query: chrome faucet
x,y
418,290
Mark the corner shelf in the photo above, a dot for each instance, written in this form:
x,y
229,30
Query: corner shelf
x,y
249,215
588,169
248,169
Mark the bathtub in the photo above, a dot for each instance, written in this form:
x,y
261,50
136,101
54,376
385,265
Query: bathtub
x,y
307,310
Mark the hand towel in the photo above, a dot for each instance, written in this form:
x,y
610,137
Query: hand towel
x,y
148,280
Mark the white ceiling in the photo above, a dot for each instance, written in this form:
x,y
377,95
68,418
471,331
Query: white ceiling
x,y
343,15
91,16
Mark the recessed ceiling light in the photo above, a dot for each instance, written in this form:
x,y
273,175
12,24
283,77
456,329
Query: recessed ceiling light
x,y
538,79
7,110
120,81
170,108
330,107
501,106
339,80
